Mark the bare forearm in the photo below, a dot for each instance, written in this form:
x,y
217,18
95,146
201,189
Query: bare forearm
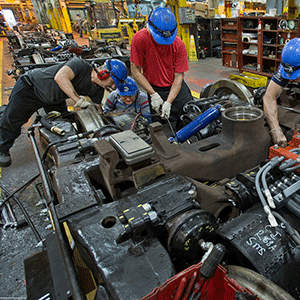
x,y
175,88
63,79
270,104
141,79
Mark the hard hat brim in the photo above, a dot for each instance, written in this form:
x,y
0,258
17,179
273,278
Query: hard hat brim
x,y
290,76
161,39
125,93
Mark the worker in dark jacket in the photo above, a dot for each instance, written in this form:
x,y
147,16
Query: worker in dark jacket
x,y
289,70
158,62
49,87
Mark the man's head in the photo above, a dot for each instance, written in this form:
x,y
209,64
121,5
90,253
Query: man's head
x,y
117,70
162,26
128,90
78,14
111,74
290,60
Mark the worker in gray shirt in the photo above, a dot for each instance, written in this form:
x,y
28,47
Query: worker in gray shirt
x,y
49,88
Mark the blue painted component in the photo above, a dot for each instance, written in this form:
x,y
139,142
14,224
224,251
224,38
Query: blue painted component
x,y
201,121
56,48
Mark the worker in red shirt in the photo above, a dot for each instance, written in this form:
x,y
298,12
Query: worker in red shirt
x,y
158,62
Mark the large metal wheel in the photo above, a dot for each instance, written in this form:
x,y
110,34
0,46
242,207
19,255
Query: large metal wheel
x,y
257,284
225,87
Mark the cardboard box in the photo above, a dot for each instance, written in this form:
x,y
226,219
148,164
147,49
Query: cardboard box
x,y
200,13
211,13
200,6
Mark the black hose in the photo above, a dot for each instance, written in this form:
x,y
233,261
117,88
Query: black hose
x,y
27,217
17,190
49,126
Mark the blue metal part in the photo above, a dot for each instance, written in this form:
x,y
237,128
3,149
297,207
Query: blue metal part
x,y
201,121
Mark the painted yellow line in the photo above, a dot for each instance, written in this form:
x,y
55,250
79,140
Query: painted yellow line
x,y
1,66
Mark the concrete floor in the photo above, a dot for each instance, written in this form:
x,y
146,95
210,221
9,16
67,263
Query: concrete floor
x,y
17,244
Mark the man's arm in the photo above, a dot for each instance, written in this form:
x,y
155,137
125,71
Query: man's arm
x,y
63,78
270,108
175,88
136,72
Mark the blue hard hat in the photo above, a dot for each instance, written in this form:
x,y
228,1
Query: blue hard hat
x,y
117,70
129,88
163,26
290,60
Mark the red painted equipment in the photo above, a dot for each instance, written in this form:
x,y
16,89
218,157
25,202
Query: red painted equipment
x,y
183,285
278,151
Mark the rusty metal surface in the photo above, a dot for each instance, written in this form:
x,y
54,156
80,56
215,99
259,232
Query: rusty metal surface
x,y
240,146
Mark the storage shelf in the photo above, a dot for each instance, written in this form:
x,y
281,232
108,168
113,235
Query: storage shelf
x,y
251,55
258,23
209,36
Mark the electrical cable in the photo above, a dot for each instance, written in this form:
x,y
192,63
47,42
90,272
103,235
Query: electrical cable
x,y
292,169
264,180
290,230
134,121
265,205
170,125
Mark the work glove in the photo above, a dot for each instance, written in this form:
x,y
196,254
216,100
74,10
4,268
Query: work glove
x,y
278,137
84,102
166,110
156,102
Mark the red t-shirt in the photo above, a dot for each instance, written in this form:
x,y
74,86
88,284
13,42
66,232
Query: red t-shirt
x,y
159,62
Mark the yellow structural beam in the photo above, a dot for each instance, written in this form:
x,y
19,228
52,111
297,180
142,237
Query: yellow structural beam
x,y
183,30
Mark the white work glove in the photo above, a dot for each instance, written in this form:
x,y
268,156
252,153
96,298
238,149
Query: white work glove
x,y
156,102
84,102
165,110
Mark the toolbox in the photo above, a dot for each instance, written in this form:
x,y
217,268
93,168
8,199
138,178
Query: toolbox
x,y
250,79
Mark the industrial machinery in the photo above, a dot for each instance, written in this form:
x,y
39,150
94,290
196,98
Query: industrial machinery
x,y
103,22
143,214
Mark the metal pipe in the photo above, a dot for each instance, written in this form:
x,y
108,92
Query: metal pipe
x,y
65,249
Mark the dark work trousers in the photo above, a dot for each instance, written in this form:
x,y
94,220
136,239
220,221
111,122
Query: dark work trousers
x,y
183,97
22,104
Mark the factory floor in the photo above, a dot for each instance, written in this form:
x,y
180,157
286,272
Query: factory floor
x,y
18,243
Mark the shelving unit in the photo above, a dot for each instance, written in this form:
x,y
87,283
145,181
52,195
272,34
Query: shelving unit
x,y
229,42
209,34
259,42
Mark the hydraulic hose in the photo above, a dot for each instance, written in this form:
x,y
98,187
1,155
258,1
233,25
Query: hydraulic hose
x,y
48,125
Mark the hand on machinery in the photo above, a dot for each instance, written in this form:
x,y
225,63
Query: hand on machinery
x,y
156,102
278,137
84,102
166,110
